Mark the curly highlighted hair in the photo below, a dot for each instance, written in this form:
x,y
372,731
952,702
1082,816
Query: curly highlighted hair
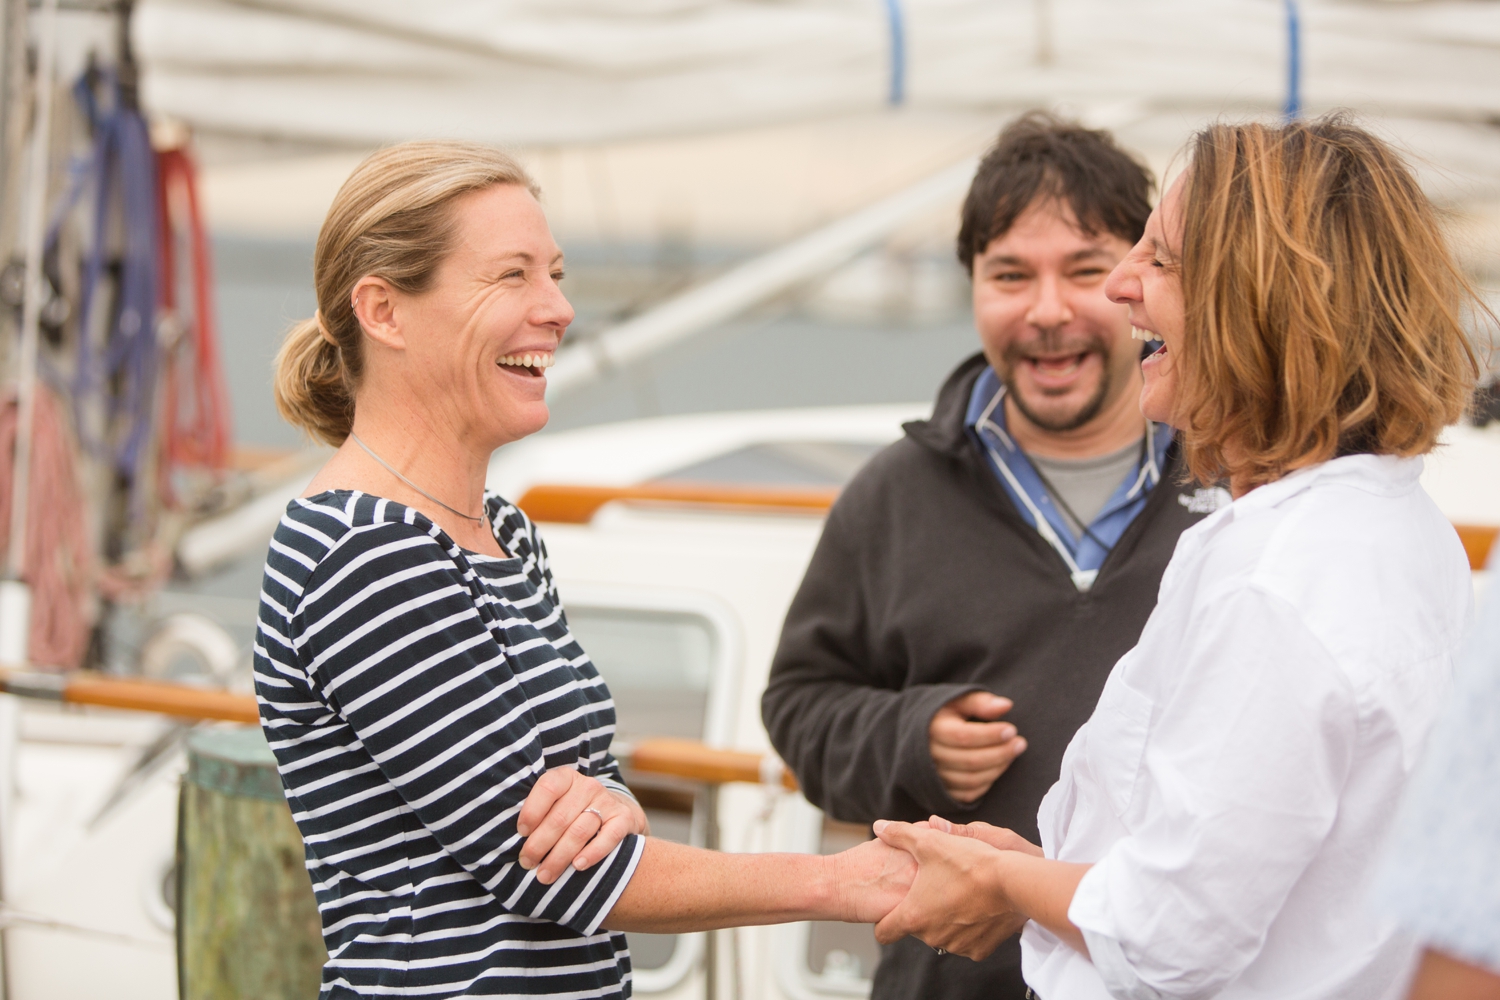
x,y
1324,309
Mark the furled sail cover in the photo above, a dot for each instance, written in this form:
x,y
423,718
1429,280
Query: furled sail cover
x,y
564,71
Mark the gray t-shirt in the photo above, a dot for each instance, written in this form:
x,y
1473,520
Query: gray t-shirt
x,y
1086,484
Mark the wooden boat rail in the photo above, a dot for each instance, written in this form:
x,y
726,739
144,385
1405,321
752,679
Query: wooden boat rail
x,y
676,758
685,759
1477,540
569,504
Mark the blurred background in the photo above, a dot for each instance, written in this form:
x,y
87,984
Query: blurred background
x,y
675,138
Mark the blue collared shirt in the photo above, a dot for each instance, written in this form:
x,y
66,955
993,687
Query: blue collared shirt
x,y
1084,555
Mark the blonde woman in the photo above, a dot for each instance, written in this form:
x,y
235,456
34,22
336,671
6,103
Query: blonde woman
x,y
443,741
1218,817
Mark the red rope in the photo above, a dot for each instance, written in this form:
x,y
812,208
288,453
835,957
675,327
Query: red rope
x,y
59,557
195,421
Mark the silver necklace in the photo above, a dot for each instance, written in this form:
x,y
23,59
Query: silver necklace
x,y
408,482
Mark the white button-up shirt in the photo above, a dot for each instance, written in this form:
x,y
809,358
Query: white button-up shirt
x,y
1238,775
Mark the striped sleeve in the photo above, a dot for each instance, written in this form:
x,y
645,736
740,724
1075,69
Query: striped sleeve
x,y
521,529
391,637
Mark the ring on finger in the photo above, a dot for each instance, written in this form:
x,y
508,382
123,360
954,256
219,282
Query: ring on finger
x,y
596,812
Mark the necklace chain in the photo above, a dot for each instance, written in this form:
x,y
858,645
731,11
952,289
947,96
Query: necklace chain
x,y
408,482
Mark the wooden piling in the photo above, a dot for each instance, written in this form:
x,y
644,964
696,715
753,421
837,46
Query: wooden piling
x,y
247,923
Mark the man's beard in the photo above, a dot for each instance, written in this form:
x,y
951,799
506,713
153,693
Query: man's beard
x,y
1054,344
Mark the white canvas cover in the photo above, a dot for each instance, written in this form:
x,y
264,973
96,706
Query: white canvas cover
x,y
541,72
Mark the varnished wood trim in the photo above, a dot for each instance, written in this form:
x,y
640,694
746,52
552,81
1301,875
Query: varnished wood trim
x,y
1478,540
692,760
570,504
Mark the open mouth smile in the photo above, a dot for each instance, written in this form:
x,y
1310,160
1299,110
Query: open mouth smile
x,y
532,363
1060,367
1055,373
1136,333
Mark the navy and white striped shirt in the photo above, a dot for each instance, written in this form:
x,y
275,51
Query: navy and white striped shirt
x,y
413,691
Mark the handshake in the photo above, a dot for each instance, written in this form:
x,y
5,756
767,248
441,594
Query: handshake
x,y
953,886
943,883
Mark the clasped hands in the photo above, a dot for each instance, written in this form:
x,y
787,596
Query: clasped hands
x,y
938,881
959,901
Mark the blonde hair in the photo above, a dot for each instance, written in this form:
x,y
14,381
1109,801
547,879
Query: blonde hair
x,y
392,219
1323,306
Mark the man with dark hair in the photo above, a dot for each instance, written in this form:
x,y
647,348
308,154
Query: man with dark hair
x,y
978,579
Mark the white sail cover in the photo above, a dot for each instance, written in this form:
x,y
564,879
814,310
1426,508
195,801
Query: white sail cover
x,y
541,72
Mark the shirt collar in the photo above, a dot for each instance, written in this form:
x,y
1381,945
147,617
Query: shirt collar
x,y
1387,475
986,412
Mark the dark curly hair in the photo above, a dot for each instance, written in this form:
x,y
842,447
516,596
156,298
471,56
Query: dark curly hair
x,y
1042,156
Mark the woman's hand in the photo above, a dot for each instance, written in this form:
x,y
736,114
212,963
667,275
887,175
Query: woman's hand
x,y
869,880
570,818
995,836
977,886
956,903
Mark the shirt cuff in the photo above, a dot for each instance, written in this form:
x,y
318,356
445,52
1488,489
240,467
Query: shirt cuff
x,y
633,847
1089,912
615,786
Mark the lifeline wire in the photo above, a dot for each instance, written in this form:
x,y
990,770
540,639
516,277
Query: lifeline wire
x,y
1293,109
897,20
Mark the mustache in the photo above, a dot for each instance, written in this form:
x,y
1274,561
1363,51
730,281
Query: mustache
x,y
1054,343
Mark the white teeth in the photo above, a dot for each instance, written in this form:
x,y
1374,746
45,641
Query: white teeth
x,y
1136,333
527,360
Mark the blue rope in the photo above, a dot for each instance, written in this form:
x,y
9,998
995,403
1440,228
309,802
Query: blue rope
x,y
1293,109
898,52
121,173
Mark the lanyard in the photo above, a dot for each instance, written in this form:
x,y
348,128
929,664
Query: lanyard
x,y
1062,504
1083,579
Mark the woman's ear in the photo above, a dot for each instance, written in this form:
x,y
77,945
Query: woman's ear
x,y
374,301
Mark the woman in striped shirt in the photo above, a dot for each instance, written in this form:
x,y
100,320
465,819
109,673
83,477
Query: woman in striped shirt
x,y
442,738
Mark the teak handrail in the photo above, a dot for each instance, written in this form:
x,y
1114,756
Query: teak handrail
x,y
162,697
569,504
687,759
694,761
1477,540
676,758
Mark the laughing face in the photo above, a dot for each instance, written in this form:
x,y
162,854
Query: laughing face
x,y
1148,283
1063,350
480,339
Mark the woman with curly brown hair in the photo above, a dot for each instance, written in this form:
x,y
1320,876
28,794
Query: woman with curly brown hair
x,y
1217,819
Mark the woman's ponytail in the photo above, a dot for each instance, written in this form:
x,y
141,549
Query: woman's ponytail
x,y
312,387
392,219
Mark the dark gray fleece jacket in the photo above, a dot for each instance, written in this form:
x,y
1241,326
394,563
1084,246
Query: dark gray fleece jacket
x,y
927,584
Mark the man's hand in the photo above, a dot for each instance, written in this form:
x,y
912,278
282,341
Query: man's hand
x,y
970,748
957,902
570,818
870,880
